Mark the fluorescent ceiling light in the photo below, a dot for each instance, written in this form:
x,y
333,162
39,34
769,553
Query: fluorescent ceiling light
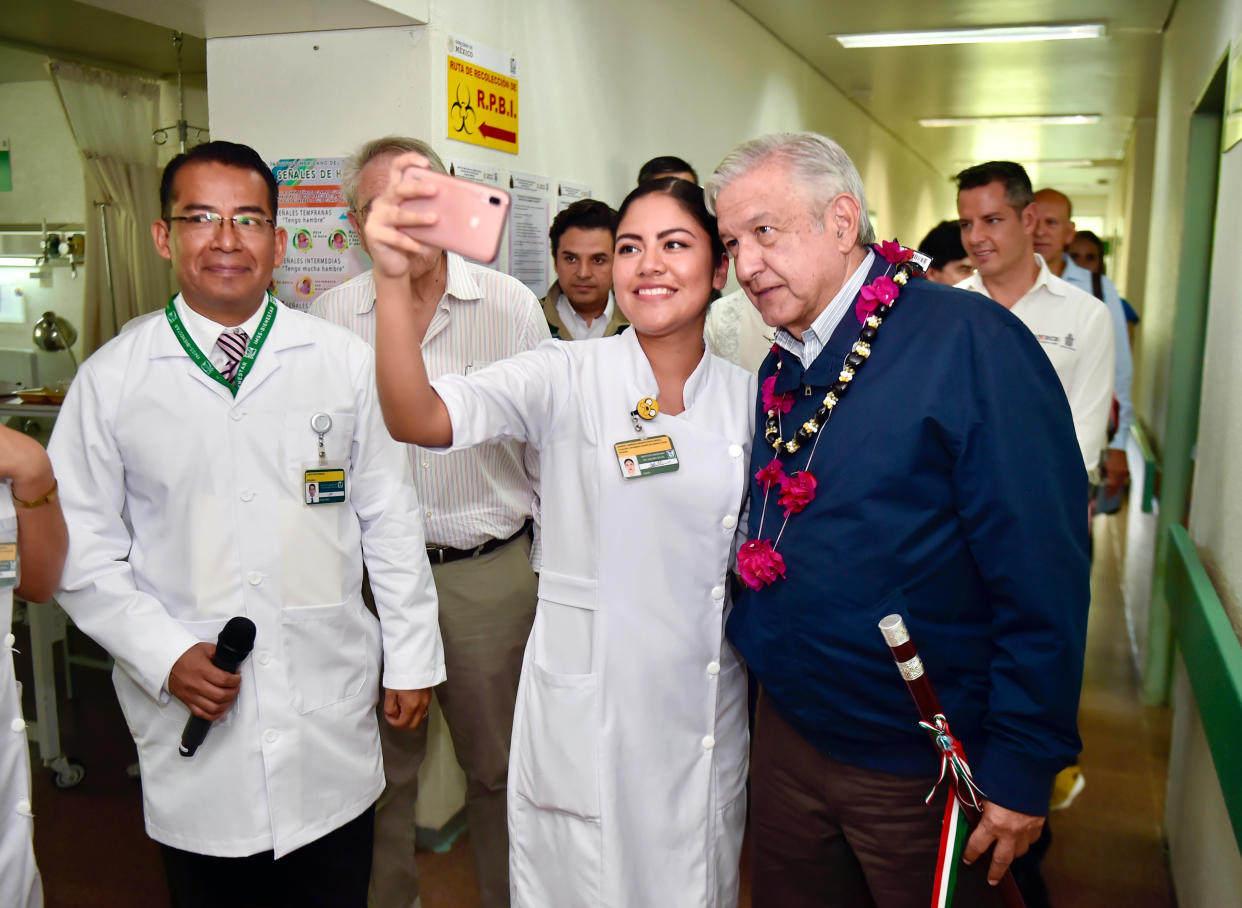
x,y
999,35
1063,163
1069,162
1031,164
18,261
1053,120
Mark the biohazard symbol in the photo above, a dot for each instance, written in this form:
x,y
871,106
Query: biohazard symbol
x,y
463,112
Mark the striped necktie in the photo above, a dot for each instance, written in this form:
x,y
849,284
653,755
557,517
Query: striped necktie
x,y
233,343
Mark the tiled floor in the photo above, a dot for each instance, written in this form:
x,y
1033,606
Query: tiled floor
x,y
1107,848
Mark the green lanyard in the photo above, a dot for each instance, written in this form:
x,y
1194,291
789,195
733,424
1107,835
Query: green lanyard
x,y
247,360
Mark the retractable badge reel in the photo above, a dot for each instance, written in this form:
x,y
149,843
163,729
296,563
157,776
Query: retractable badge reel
x,y
641,456
324,482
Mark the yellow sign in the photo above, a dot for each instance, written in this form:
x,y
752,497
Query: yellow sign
x,y
482,106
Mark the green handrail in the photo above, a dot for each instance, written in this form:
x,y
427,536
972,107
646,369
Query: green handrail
x,y
1149,465
1213,657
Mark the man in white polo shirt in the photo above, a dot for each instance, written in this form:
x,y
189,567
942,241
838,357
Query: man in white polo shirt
x,y
997,212
477,512
1054,232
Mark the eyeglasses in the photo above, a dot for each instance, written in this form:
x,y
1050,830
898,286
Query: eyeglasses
x,y
204,221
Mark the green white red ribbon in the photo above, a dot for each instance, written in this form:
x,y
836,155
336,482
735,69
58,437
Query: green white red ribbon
x,y
953,833
953,828
952,763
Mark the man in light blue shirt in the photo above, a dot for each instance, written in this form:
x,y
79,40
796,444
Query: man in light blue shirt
x,y
1053,233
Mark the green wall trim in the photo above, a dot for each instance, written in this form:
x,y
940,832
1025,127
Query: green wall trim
x,y
1213,658
1149,465
1185,380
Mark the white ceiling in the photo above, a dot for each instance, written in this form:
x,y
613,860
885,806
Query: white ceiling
x,y
137,34
85,32
230,18
1116,76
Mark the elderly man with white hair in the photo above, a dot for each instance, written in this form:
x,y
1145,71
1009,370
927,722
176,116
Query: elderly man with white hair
x,y
895,472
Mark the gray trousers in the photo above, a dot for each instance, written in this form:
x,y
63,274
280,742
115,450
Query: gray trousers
x,y
487,607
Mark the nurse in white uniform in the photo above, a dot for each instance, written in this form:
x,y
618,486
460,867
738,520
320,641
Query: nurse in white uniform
x,y
628,763
33,541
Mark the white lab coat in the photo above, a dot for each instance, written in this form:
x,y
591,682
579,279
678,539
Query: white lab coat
x,y
628,762
20,886
186,507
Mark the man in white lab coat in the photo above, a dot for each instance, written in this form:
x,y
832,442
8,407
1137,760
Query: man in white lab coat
x,y
186,450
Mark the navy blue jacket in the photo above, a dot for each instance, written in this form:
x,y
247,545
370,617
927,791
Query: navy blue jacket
x,y
951,491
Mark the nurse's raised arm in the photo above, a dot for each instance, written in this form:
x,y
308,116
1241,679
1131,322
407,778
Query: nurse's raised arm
x,y
413,411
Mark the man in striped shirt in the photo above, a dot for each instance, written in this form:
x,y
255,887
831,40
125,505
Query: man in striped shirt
x,y
478,507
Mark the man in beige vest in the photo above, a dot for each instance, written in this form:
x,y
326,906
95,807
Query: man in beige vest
x,y
579,304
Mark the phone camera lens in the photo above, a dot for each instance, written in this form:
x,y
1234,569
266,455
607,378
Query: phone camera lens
x,y
495,200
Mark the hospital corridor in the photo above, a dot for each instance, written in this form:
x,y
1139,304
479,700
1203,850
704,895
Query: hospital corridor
x,y
563,453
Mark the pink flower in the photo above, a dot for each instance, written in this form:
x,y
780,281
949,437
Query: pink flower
x,y
797,491
758,564
882,290
771,475
893,253
782,402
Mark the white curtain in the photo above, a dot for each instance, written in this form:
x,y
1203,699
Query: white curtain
x,y
112,117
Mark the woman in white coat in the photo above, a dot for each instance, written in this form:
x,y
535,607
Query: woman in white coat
x,y
33,540
628,761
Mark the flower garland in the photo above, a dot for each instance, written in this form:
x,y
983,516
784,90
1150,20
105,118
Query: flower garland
x,y
758,562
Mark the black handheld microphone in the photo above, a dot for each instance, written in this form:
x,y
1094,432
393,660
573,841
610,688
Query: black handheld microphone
x,y
232,647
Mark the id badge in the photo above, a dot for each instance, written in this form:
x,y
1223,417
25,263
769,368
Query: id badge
x,y
323,484
8,564
646,456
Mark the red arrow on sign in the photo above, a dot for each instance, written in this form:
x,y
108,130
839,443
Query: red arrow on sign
x,y
503,135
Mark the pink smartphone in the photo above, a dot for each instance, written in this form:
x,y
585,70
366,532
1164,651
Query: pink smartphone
x,y
471,215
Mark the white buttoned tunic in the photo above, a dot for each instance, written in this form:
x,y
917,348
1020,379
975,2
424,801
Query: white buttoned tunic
x,y
628,762
19,878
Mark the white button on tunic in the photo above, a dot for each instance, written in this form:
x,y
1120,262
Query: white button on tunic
x,y
631,597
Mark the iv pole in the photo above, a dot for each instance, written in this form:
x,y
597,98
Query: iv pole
x,y
160,136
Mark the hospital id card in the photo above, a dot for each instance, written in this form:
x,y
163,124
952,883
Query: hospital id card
x,y
323,486
8,564
646,456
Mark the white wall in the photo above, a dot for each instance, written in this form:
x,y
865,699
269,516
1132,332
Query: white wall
x,y
319,94
1207,867
603,87
1203,853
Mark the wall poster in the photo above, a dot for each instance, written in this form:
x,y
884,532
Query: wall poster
x,y
482,102
528,230
323,249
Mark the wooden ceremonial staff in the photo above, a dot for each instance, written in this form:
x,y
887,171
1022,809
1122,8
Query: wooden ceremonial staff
x,y
911,667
